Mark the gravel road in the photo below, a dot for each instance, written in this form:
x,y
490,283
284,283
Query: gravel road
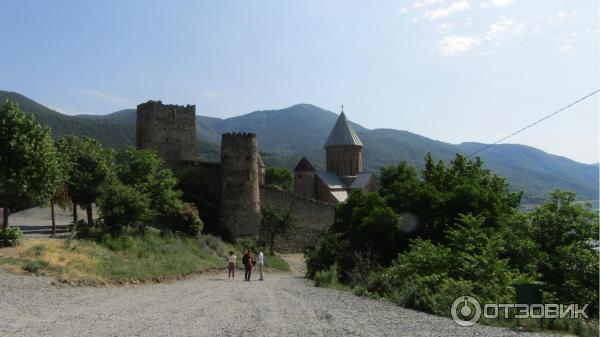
x,y
209,305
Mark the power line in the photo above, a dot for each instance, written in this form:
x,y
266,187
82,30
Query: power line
x,y
534,123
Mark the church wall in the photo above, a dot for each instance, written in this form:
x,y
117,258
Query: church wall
x,y
344,160
304,184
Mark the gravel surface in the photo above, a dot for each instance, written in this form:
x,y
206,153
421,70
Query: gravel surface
x,y
209,305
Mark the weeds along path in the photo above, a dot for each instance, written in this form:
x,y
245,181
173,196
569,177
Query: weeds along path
x,y
209,305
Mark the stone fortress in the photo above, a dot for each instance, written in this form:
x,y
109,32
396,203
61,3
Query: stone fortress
x,y
230,194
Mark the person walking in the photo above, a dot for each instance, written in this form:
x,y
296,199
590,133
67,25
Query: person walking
x,y
261,263
248,262
231,267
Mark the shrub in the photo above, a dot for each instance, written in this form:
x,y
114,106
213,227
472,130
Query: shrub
x,y
327,251
212,245
185,221
327,278
86,231
121,207
10,236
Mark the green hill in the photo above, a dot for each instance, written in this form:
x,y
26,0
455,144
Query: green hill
x,y
110,133
286,135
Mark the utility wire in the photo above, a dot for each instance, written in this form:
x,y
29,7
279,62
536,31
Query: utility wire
x,y
534,123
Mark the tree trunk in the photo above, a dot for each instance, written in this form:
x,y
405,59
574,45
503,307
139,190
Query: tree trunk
x,y
53,218
74,213
5,218
89,214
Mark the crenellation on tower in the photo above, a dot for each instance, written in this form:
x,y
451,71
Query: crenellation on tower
x,y
168,129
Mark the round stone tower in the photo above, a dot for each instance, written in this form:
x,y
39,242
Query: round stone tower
x,y
240,201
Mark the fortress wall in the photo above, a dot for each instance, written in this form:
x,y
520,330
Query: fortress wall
x,y
313,216
201,183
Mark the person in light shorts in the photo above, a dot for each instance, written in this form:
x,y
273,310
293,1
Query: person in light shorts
x,y
261,263
231,267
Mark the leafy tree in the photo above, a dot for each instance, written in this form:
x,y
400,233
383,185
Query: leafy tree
x,y
279,177
123,206
185,220
29,167
88,166
276,223
566,233
443,192
145,171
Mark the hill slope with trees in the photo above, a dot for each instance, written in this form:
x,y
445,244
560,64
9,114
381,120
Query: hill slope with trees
x,y
285,135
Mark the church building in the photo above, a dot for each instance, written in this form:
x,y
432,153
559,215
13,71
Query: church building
x,y
344,168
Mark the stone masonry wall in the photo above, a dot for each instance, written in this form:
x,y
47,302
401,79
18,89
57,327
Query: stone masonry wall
x,y
240,200
314,217
170,130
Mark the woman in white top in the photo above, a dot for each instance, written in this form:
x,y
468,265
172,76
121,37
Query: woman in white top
x,y
231,258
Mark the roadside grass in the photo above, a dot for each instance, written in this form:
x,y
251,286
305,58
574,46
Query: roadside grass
x,y
574,327
114,260
126,259
276,263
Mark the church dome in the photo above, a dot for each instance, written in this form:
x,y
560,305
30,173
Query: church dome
x,y
343,134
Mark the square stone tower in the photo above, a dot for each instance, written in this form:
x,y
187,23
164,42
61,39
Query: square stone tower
x,y
170,130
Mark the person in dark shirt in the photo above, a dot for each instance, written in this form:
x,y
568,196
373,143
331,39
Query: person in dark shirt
x,y
248,262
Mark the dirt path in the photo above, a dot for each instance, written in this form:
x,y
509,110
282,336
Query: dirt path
x,y
209,305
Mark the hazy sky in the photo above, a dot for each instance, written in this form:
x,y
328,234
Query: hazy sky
x,y
452,70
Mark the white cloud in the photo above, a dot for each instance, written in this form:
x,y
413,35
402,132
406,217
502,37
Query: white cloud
x,y
403,11
503,27
497,3
565,49
211,94
446,28
425,3
108,97
564,16
443,12
452,45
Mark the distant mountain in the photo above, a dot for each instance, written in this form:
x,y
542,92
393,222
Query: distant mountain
x,y
286,135
110,133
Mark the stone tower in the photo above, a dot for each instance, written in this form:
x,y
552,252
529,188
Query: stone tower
x,y
240,200
170,130
304,179
343,149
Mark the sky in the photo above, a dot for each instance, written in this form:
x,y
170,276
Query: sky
x,y
451,70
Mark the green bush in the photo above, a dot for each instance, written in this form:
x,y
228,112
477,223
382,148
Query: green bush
x,y
10,236
326,252
123,206
86,231
327,278
185,221
212,244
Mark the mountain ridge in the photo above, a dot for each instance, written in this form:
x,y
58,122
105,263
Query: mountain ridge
x,y
285,135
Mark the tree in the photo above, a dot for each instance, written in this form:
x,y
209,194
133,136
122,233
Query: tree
x,y
279,177
445,191
566,233
145,172
88,166
123,206
367,224
276,223
29,167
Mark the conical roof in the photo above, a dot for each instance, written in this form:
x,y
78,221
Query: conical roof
x,y
304,165
343,133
